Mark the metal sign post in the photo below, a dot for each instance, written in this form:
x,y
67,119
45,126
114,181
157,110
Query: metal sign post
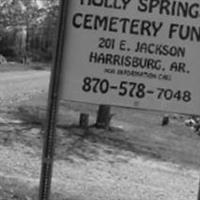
x,y
50,129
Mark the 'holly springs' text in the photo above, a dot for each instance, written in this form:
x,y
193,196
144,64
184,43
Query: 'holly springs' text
x,y
141,27
187,9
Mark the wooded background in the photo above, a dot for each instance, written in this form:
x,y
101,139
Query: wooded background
x,y
27,29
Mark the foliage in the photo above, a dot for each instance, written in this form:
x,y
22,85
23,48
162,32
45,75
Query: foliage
x,y
28,26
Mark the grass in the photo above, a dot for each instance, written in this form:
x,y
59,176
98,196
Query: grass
x,y
140,131
13,189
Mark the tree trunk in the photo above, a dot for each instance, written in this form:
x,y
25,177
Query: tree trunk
x,y
103,117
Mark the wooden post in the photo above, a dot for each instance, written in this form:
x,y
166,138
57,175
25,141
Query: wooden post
x,y
84,120
165,120
103,117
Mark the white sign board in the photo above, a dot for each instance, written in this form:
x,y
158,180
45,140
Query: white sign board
x,y
134,53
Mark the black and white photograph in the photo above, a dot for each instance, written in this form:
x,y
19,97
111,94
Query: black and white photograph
x,y
99,100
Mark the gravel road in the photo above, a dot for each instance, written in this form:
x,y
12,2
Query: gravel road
x,y
111,175
21,85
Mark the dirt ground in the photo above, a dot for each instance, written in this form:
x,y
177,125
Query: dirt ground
x,y
93,164
91,167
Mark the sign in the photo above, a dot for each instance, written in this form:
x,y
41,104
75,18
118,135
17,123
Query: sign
x,y
142,54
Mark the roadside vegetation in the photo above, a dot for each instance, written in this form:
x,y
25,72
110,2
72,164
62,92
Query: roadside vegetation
x,y
27,30
133,130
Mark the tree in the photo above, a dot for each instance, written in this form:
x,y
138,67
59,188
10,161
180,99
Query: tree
x,y
28,22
